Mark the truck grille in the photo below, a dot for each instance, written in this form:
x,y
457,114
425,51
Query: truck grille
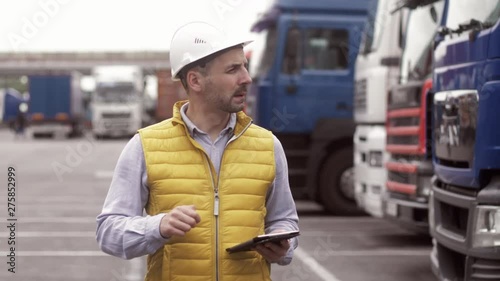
x,y
360,95
116,115
405,143
404,121
400,177
403,140
454,266
455,122
113,125
483,269
454,218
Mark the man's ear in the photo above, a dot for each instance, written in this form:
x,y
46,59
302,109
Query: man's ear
x,y
194,80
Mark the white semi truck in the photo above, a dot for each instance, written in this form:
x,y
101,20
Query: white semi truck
x,y
376,71
117,102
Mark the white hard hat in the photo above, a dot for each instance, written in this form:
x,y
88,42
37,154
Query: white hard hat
x,y
197,40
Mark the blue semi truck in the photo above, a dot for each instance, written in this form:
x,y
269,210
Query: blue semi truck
x,y
303,81
56,105
465,201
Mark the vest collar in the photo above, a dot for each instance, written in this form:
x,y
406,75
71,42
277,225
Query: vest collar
x,y
243,121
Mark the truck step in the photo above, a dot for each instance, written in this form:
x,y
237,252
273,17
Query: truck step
x,y
297,153
297,172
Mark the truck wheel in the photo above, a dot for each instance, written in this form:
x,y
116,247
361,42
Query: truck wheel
x,y
336,188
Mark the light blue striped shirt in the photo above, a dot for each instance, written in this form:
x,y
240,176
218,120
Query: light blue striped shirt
x,y
123,230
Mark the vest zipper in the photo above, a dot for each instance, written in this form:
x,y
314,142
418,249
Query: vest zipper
x,y
217,200
216,214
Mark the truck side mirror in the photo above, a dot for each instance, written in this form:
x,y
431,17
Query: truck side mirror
x,y
290,63
292,42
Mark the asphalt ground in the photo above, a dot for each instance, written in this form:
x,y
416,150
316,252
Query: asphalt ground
x,y
60,188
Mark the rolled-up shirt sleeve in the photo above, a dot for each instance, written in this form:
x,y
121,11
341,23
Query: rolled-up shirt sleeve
x,y
281,210
122,229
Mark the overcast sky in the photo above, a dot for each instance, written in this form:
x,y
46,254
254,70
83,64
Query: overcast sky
x,y
113,25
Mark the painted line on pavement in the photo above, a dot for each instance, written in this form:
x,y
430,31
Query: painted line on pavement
x,y
315,267
135,271
376,253
314,220
21,219
40,234
57,199
345,233
58,254
49,206
103,174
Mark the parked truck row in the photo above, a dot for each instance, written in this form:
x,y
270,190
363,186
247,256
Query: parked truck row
x,y
415,112
442,164
115,105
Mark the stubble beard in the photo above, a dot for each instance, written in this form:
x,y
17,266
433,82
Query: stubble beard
x,y
225,102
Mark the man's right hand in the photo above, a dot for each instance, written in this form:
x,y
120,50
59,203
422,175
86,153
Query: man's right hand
x,y
179,221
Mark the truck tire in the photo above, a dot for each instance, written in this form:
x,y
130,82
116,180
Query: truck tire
x,y
335,199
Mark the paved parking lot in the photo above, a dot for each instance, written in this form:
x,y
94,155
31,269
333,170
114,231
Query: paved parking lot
x,y
61,185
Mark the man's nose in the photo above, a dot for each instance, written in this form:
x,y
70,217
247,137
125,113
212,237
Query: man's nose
x,y
246,79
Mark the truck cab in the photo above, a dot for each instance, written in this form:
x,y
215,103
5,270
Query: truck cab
x,y
117,102
303,71
465,201
409,168
10,100
377,69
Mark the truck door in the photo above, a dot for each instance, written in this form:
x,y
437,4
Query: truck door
x,y
316,75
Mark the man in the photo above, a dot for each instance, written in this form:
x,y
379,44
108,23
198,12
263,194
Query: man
x,y
21,121
208,178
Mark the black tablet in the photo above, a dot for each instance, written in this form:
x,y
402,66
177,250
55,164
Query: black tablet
x,y
274,237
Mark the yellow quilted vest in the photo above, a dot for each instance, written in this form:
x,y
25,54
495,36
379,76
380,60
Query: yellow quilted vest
x,y
180,173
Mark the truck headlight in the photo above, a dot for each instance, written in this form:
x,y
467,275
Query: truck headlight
x,y
487,228
375,159
424,186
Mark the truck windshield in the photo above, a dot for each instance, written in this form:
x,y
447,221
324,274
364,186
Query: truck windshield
x,y
263,51
417,55
115,93
372,32
462,11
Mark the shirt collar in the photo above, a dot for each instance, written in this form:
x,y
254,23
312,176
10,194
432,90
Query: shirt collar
x,y
192,127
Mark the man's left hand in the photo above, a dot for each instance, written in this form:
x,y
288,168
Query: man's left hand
x,y
273,252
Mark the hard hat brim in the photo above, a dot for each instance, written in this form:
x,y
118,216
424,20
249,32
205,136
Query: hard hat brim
x,y
225,46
